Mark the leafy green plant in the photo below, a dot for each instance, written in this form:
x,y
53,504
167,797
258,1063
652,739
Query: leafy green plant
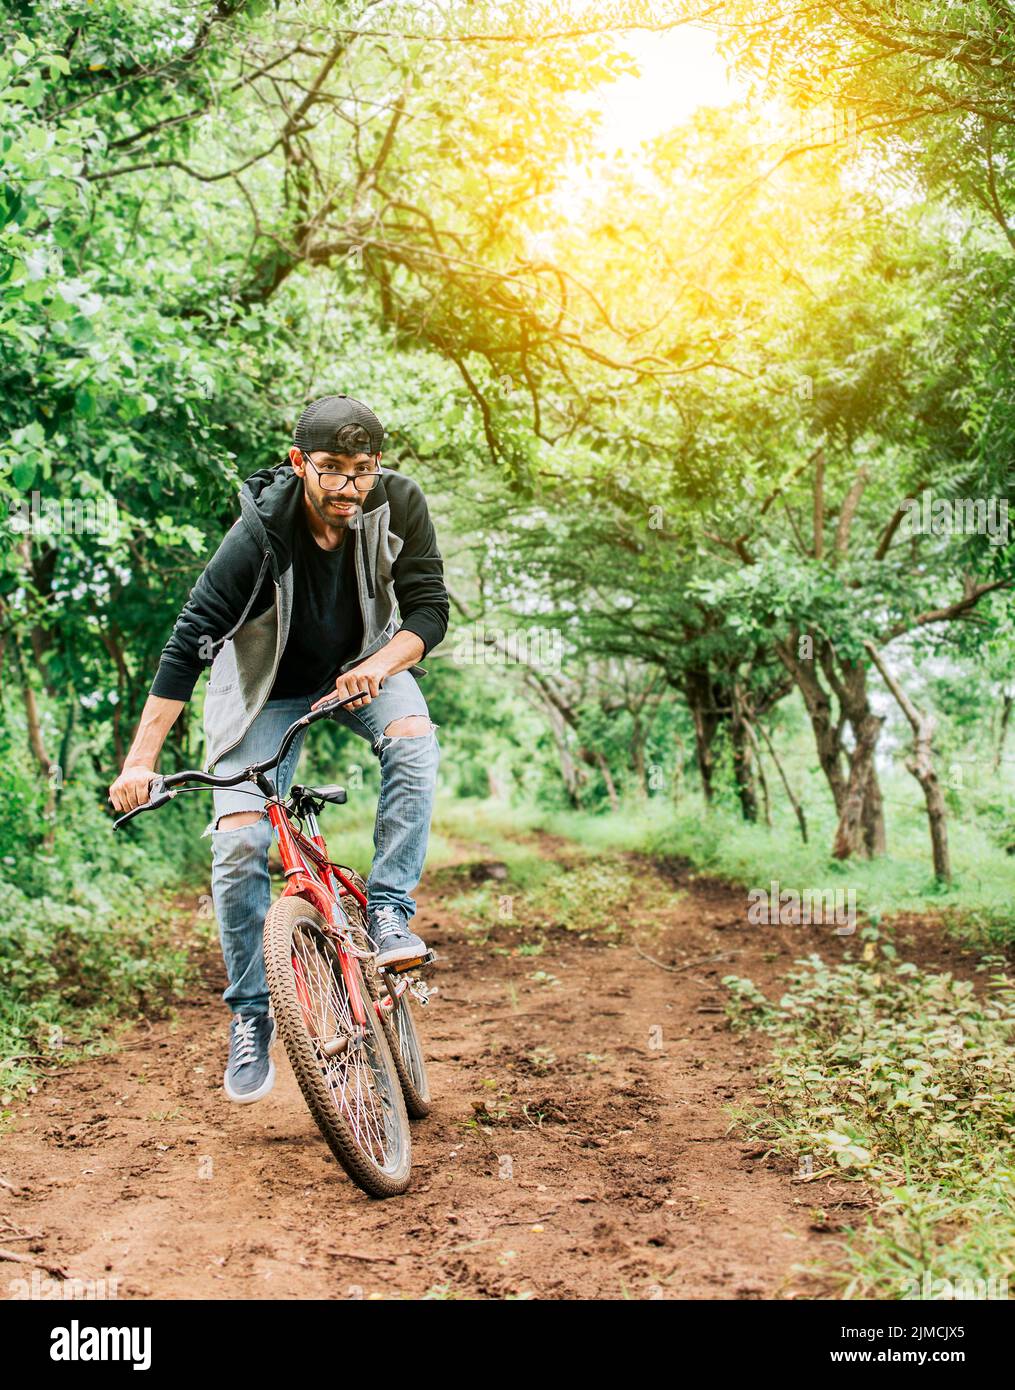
x,y
902,1081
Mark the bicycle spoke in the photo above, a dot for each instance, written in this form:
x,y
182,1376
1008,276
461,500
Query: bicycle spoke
x,y
350,1076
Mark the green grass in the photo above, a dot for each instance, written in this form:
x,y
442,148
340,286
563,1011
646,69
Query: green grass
x,y
348,831
979,904
895,1080
578,891
899,1081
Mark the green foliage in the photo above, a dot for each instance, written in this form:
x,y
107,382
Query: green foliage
x,y
89,935
901,1080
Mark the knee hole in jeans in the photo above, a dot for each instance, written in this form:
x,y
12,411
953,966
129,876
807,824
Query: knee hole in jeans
x,y
410,726
238,820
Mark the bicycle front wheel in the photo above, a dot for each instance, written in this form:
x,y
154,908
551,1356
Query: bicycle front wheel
x,y
346,1072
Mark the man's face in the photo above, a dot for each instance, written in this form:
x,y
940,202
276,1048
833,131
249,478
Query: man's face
x,y
329,487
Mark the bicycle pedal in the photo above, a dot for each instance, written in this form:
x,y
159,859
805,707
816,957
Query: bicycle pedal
x,y
401,966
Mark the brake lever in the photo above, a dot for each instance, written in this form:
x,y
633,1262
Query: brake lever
x,y
158,795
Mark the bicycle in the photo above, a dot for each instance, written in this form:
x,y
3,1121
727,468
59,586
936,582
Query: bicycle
x,y
347,1027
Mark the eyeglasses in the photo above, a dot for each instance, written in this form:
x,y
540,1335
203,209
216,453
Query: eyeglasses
x,y
332,480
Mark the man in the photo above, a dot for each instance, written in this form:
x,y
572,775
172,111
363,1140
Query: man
x,y
296,608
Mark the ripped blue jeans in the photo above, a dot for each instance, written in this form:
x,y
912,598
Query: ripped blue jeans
x,y
240,886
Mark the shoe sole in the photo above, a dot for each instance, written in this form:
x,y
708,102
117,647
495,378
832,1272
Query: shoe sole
x,y
400,956
266,1085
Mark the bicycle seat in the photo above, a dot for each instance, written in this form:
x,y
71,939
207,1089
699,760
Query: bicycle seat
x,y
306,799
334,794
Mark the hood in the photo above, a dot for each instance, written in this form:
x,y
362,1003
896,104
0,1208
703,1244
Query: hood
x,y
270,500
270,508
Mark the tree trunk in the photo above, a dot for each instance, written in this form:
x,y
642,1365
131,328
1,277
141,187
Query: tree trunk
x,y
753,738
850,686
40,566
67,755
921,764
827,735
678,767
797,808
111,643
874,816
570,772
700,701
636,753
604,767
1006,708
743,763
850,835
48,768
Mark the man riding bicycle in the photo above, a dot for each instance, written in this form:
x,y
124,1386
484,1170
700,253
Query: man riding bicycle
x,y
294,609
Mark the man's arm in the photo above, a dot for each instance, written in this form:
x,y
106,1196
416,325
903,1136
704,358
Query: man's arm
x,y
131,787
215,603
418,574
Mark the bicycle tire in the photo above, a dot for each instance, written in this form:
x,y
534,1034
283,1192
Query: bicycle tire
x,y
409,1060
316,1074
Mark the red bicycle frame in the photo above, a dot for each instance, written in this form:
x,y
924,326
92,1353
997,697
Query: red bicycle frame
x,y
311,875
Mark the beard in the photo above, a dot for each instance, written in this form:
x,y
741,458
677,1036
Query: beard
x,y
324,505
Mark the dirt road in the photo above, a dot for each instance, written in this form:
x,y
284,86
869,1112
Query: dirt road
x,y
580,1145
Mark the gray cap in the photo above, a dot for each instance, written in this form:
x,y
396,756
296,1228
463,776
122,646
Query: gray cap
x,y
317,426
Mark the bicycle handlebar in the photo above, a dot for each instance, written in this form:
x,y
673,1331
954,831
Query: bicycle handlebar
x,y
163,789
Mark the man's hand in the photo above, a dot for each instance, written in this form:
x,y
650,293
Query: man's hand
x,y
364,680
130,789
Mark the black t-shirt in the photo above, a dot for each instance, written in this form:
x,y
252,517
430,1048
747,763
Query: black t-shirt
x,y
325,628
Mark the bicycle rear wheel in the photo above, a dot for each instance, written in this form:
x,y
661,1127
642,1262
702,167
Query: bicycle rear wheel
x,y
347,1074
409,1053
398,1020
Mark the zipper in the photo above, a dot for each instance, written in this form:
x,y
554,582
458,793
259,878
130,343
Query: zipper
x,y
366,567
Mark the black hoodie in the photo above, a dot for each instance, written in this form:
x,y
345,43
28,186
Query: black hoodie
x,y
272,536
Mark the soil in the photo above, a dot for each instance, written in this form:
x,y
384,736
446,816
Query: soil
x,y
582,1142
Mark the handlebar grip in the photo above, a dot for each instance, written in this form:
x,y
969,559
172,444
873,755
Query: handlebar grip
x,y
160,797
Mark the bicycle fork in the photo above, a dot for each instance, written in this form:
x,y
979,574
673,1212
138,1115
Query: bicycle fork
x,y
316,884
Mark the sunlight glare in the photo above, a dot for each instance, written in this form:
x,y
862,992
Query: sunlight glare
x,y
680,71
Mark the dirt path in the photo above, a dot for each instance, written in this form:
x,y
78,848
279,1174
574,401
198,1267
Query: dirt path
x,y
579,1145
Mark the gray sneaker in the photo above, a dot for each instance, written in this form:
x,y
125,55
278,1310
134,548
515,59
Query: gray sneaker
x,y
250,1073
395,943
